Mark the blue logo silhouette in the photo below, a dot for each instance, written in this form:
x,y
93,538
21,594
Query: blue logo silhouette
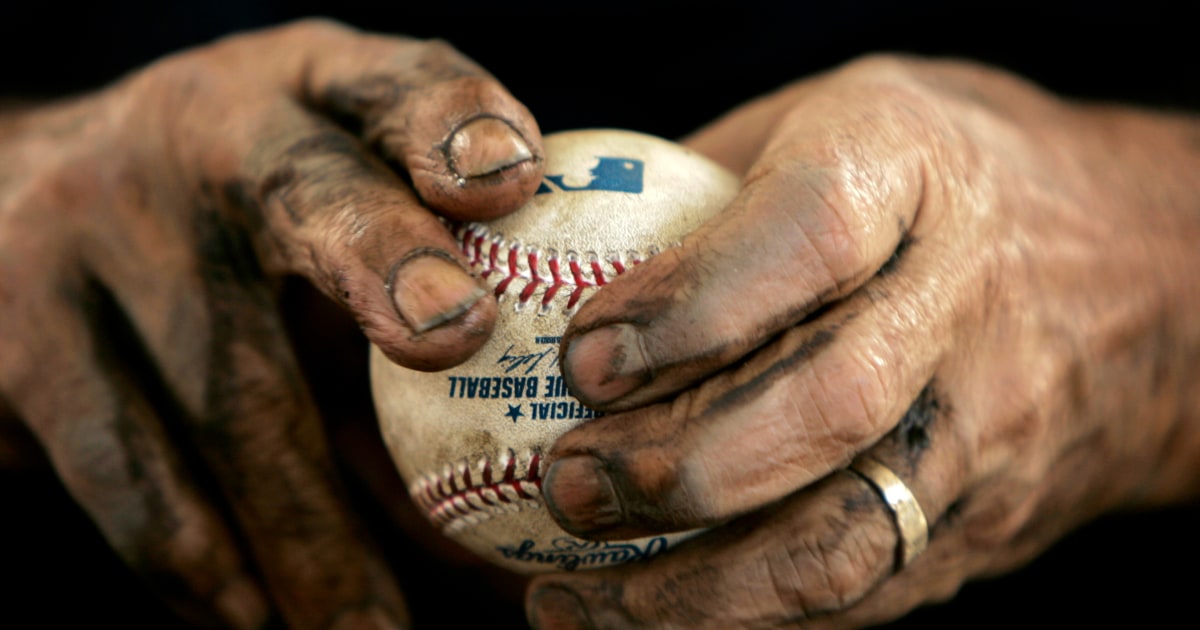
x,y
612,174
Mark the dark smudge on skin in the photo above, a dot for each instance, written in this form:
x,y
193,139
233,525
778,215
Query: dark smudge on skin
x,y
228,271
914,426
227,256
688,593
276,184
240,302
137,381
865,500
780,369
615,364
351,103
657,297
720,354
363,108
953,512
236,196
331,159
893,262
603,593
240,206
330,145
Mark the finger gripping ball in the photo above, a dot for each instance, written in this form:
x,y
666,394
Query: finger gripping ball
x,y
469,441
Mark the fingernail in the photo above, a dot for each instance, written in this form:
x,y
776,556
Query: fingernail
x,y
580,495
484,146
556,608
606,364
243,605
430,290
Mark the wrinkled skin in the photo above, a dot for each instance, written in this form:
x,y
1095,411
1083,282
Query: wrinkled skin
x,y
145,231
990,290
984,287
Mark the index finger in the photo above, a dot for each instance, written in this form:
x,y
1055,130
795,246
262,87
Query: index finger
x,y
826,205
349,206
471,150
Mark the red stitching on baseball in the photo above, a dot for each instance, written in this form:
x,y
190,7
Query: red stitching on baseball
x,y
455,494
497,258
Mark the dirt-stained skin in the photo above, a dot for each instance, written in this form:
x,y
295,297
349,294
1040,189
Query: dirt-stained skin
x,y
933,264
146,231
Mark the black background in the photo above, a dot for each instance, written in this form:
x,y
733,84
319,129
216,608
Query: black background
x,y
663,68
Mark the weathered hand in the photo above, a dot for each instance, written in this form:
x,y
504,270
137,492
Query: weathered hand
x,y
144,231
989,290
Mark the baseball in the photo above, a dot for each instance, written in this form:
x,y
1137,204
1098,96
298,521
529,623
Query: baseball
x,y
469,441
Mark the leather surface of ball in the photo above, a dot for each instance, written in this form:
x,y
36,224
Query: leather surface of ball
x,y
470,441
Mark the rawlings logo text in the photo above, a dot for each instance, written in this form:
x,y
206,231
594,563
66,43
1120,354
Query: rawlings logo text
x,y
568,554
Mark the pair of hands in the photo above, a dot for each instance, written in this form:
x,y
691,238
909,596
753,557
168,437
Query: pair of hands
x,y
934,263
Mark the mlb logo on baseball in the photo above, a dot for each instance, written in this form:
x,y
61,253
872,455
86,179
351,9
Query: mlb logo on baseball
x,y
611,173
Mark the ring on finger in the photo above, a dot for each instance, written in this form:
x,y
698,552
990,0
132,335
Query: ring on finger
x,y
911,525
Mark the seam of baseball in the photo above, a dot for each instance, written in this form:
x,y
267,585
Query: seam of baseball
x,y
509,261
461,496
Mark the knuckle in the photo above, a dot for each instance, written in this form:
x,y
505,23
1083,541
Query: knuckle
x,y
832,218
896,85
866,176
823,571
996,516
437,48
189,80
881,66
838,245
444,62
316,27
855,392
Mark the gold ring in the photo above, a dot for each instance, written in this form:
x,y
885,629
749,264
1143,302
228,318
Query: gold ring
x,y
910,519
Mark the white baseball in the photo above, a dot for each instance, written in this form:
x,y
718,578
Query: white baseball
x,y
469,441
